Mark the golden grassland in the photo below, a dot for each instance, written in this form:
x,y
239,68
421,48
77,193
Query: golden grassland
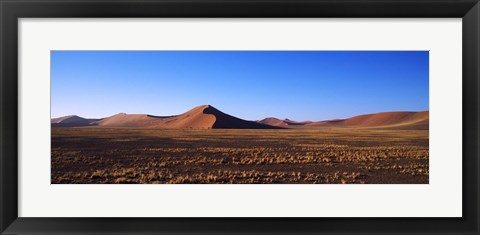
x,y
220,156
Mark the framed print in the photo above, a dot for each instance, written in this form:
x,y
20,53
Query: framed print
x,y
239,117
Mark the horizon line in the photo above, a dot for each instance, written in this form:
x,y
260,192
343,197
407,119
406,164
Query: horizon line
x,y
286,118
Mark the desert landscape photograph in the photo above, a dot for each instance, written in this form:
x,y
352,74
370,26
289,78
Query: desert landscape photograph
x,y
239,117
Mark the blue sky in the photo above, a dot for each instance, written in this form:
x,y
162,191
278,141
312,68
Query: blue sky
x,y
299,85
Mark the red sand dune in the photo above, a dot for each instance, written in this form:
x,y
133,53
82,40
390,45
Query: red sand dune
x,y
201,117
396,120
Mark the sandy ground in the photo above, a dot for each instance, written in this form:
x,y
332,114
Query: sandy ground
x,y
318,156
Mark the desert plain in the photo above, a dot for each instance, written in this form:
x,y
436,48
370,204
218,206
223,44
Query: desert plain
x,y
207,146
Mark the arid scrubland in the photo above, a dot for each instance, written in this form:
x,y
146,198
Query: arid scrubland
x,y
182,156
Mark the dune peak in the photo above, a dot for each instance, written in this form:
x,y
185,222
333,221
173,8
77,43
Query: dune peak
x,y
203,106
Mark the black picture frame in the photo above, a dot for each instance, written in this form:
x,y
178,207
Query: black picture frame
x,y
12,10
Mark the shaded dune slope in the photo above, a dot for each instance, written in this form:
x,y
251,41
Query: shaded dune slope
x,y
225,121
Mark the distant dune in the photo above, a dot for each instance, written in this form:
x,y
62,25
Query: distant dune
x,y
208,117
201,117
72,121
388,120
391,120
282,123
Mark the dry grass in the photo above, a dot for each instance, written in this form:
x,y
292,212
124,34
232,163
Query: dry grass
x,y
89,155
